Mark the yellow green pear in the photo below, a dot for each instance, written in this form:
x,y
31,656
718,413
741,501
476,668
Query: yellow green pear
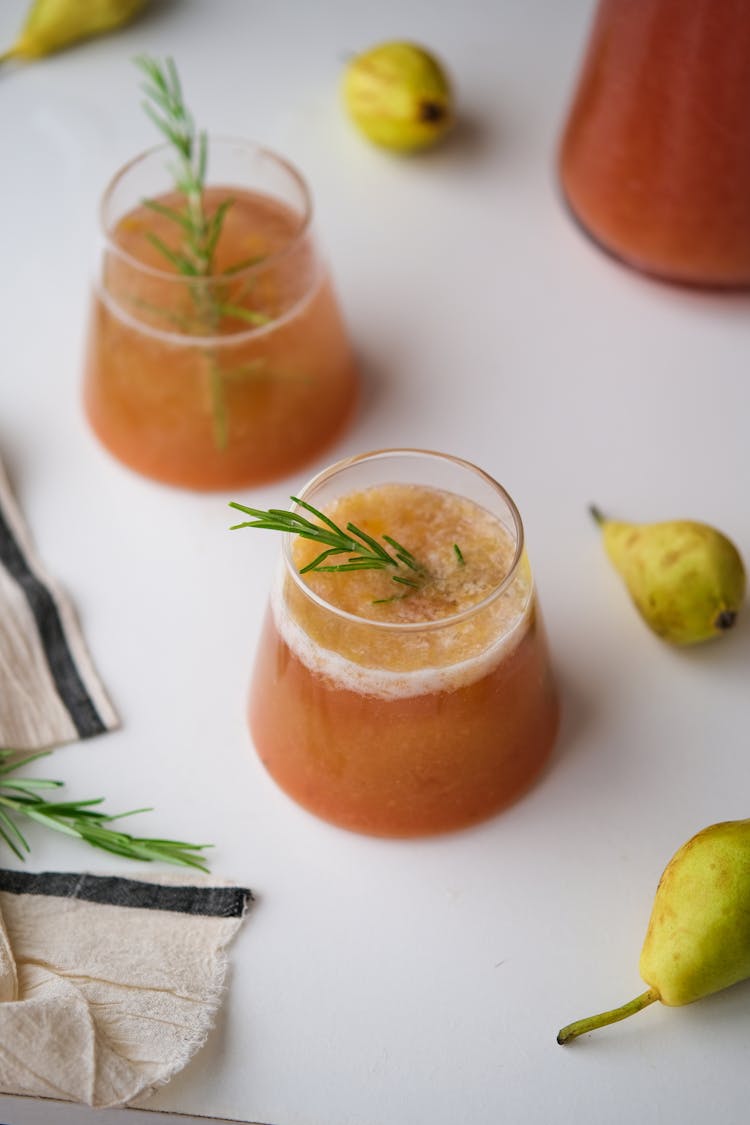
x,y
686,579
398,95
53,24
698,937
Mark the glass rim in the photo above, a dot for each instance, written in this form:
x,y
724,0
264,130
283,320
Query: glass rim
x,y
182,279
408,626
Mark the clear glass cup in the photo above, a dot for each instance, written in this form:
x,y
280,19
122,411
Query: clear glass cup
x,y
655,155
224,381
407,715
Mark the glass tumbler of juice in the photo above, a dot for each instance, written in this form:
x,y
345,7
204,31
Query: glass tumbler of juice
x,y
412,699
655,155
228,379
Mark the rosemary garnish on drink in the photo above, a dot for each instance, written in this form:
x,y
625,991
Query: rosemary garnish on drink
x,y
21,796
362,550
201,231
212,292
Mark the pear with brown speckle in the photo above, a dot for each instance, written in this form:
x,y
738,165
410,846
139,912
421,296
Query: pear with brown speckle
x,y
399,95
687,579
698,938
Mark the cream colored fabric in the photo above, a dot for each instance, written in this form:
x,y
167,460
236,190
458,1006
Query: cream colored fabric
x,y
50,692
102,1003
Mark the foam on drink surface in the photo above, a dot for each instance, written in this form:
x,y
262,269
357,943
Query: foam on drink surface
x,y
398,662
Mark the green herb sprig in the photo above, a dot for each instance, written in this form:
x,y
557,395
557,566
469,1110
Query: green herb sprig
x,y
21,797
364,552
168,111
200,231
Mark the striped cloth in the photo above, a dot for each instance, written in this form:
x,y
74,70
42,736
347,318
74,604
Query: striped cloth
x,y
108,985
49,690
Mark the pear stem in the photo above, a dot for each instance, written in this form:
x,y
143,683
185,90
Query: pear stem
x,y
580,1027
597,514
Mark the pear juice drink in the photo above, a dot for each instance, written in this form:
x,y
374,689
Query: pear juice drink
x,y
655,157
230,380
407,715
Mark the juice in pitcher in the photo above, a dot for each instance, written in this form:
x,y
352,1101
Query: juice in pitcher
x,y
416,697
655,155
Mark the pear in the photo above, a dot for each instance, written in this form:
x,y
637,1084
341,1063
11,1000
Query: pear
x,y
53,24
687,579
398,95
698,937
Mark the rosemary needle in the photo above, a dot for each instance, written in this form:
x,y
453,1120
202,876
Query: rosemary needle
x,y
21,797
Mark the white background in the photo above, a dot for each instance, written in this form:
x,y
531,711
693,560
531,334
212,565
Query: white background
x,y
388,982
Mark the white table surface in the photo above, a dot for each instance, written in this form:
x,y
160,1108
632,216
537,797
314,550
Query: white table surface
x,y
375,982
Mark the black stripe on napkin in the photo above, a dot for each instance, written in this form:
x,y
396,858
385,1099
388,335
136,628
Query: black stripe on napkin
x,y
111,890
68,682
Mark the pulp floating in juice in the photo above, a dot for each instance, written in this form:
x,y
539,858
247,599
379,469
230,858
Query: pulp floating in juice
x,y
224,381
655,156
407,714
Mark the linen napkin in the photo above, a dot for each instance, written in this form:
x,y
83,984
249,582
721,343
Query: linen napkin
x,y
108,985
49,690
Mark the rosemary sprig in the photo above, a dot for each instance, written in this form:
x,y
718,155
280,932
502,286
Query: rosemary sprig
x,y
167,110
22,797
362,550
200,231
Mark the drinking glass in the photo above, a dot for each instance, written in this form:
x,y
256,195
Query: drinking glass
x,y
226,380
655,155
418,712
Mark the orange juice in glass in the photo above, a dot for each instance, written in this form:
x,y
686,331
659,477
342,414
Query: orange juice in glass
x,y
407,700
229,379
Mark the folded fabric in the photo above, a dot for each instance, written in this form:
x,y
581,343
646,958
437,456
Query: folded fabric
x,y
108,986
49,690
